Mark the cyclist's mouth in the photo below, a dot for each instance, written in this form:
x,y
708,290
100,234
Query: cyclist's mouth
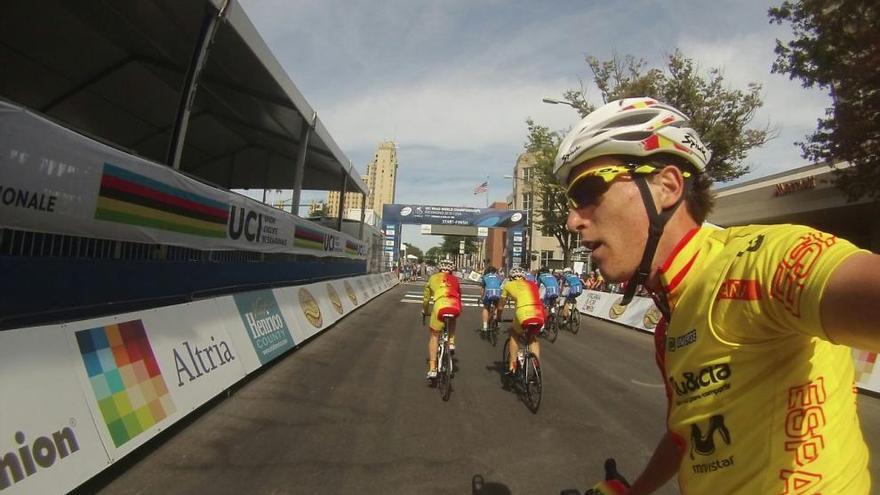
x,y
591,245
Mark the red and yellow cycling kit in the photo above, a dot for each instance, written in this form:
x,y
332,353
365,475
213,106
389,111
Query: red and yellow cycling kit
x,y
446,291
760,400
529,308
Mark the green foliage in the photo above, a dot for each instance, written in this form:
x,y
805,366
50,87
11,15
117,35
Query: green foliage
x,y
720,115
433,254
551,210
450,245
836,46
412,250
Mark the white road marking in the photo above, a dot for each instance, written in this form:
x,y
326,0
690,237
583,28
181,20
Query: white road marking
x,y
652,385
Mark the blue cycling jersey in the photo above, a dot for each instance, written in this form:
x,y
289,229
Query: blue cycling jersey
x,y
551,287
575,286
491,283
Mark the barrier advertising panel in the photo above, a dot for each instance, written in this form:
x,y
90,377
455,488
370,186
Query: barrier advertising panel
x,y
263,323
48,440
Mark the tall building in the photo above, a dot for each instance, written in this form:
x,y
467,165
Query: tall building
x,y
545,250
352,200
381,179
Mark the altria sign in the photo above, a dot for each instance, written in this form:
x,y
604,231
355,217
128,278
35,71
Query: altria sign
x,y
194,361
29,456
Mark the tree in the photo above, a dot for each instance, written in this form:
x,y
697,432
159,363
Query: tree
x,y
450,245
433,255
551,211
836,46
720,115
409,249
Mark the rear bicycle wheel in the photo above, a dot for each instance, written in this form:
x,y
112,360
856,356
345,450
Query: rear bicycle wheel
x,y
492,332
534,383
551,330
574,323
444,373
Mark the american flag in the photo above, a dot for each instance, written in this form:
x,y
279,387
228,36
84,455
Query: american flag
x,y
484,187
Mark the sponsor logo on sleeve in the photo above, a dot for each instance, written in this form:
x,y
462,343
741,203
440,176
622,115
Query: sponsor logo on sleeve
x,y
793,272
675,343
743,290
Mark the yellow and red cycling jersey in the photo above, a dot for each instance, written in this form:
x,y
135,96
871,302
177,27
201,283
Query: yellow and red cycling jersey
x,y
446,291
760,400
528,308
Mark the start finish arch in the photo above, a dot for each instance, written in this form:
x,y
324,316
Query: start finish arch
x,y
396,215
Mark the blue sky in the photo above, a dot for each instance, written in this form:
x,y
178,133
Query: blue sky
x,y
453,81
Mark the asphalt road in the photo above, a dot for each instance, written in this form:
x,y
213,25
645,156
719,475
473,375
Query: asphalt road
x,y
350,412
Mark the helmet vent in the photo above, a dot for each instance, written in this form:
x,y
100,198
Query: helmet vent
x,y
633,136
634,119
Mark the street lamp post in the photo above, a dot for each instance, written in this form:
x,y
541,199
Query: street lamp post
x,y
554,101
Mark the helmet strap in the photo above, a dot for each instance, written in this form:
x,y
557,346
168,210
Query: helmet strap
x,y
656,222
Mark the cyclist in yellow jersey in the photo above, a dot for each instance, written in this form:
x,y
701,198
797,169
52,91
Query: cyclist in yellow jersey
x,y
528,310
444,288
757,319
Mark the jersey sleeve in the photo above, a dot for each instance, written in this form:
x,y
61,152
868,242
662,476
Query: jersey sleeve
x,y
783,270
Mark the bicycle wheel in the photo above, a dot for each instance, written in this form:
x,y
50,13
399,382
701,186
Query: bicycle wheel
x,y
444,373
574,320
534,384
551,330
492,332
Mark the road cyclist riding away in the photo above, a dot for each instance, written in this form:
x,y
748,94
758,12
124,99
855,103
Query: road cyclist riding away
x,y
572,287
445,290
757,320
490,293
550,285
527,312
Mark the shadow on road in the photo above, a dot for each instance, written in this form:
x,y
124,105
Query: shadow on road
x,y
479,486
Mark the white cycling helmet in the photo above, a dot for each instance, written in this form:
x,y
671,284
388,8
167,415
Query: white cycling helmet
x,y
446,265
632,127
566,270
516,272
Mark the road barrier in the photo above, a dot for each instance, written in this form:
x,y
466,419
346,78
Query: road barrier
x,y
79,396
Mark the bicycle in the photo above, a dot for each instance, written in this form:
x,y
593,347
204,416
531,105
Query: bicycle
x,y
445,367
573,322
527,378
492,330
551,322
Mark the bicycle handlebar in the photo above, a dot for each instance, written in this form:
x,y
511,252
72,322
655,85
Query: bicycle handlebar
x,y
614,483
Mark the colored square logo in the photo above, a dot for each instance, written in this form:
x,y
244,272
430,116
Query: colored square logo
x,y
125,378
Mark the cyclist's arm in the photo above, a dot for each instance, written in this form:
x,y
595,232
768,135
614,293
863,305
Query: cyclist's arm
x,y
660,469
426,298
849,309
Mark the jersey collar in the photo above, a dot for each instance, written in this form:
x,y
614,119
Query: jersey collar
x,y
674,271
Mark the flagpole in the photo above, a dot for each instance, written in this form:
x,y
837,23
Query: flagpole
x,y
487,191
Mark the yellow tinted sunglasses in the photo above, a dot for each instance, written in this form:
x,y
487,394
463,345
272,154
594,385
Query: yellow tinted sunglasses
x,y
589,185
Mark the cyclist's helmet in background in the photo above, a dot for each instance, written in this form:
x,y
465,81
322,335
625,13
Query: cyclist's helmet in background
x,y
566,270
446,265
516,272
637,127
491,269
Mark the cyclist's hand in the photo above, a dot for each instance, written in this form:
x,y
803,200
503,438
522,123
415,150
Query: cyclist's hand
x,y
614,484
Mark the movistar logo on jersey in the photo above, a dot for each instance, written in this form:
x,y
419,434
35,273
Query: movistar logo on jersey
x,y
703,444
